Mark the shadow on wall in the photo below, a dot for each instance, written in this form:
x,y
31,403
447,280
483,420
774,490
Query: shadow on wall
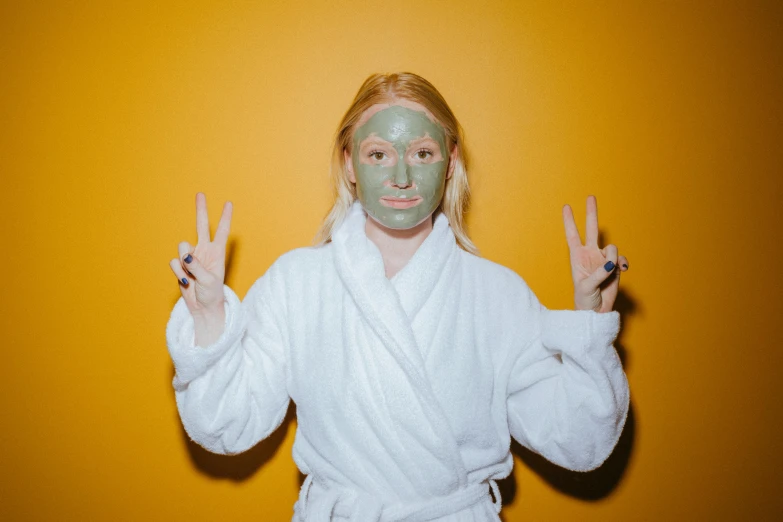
x,y
243,466
599,483
590,486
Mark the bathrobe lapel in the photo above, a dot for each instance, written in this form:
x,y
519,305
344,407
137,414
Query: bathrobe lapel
x,y
433,262
389,307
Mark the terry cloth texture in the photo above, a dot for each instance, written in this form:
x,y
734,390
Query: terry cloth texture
x,y
407,390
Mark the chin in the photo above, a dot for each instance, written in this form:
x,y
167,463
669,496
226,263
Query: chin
x,y
400,216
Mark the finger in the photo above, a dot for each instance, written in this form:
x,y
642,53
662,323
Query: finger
x,y
176,267
623,262
609,290
189,262
202,218
572,233
224,226
602,273
184,249
591,226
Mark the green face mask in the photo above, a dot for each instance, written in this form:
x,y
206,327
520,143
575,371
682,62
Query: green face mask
x,y
399,160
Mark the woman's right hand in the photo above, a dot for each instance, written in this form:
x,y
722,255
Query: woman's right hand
x,y
201,271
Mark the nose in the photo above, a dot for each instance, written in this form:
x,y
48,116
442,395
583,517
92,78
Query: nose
x,y
402,175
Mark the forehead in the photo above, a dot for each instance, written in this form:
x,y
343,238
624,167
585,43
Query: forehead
x,y
398,121
408,104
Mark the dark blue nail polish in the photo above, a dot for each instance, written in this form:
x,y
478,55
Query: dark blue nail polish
x,y
188,258
184,281
609,266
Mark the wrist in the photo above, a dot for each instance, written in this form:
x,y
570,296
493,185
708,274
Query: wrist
x,y
587,303
209,325
209,318
211,311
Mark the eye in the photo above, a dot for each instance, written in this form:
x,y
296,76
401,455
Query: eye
x,y
377,155
423,153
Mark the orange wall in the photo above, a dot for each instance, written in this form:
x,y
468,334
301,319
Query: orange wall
x,y
113,118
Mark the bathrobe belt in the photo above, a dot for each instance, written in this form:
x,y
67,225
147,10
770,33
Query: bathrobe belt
x,y
356,507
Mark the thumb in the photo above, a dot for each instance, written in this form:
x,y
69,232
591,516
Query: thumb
x,y
603,272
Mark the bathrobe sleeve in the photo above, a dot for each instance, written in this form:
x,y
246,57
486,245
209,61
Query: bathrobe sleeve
x,y
568,395
232,394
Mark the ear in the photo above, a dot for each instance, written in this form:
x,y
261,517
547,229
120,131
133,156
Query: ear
x,y
349,166
452,161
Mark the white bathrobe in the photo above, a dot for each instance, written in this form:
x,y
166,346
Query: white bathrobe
x,y
407,390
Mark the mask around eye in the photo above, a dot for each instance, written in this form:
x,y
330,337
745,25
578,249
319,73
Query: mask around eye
x,y
403,189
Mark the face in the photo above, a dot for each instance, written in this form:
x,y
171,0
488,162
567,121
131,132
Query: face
x,y
399,162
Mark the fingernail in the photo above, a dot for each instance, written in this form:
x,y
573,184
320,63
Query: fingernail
x,y
184,281
188,258
609,266
625,266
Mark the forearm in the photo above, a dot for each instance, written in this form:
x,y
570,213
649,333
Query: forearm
x,y
238,402
571,412
225,404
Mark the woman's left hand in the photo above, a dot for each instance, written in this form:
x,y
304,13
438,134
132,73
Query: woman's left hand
x,y
595,271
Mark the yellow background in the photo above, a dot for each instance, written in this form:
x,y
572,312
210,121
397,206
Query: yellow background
x,y
114,115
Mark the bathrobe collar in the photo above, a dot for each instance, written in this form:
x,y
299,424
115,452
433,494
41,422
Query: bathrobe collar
x,y
414,283
390,306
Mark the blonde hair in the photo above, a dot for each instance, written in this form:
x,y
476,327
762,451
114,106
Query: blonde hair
x,y
384,88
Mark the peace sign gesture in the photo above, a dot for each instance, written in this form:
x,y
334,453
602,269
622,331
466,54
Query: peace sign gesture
x,y
595,271
201,270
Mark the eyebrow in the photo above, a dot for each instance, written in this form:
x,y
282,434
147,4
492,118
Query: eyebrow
x,y
423,138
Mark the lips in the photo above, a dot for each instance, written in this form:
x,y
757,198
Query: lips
x,y
400,203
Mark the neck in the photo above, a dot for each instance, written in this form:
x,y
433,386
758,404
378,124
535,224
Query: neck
x,y
397,246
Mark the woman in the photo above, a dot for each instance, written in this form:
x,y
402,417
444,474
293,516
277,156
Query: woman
x,y
411,360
